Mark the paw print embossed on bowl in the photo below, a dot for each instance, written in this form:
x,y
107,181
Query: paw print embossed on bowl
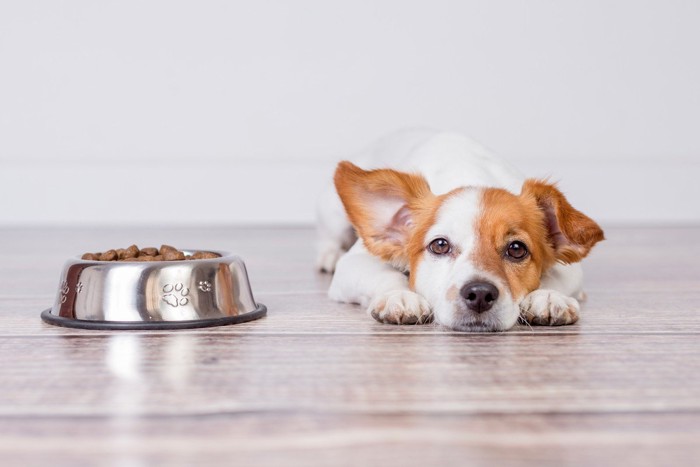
x,y
176,295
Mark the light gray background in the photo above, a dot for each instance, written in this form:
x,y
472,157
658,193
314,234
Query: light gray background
x,y
145,112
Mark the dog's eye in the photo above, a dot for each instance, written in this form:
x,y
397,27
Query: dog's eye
x,y
439,246
516,251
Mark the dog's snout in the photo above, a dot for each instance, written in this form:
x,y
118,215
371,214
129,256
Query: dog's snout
x,y
480,296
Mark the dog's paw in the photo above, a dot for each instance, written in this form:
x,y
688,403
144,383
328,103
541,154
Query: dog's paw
x,y
400,307
327,257
549,308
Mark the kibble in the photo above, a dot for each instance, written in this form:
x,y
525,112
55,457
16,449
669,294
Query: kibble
x,y
165,248
173,255
134,253
131,252
109,255
204,255
148,252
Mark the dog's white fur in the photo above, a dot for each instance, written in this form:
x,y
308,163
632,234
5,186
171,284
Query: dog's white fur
x,y
447,161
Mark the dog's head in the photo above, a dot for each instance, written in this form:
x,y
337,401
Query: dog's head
x,y
473,253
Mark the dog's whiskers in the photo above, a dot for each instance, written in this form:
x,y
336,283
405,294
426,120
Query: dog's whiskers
x,y
525,322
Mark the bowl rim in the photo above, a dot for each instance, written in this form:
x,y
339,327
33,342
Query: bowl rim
x,y
49,318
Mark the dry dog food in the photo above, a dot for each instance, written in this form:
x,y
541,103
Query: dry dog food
x,y
134,253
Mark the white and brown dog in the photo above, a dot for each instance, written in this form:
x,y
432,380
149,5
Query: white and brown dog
x,y
450,232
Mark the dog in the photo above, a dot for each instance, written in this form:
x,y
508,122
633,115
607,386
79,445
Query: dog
x,y
434,227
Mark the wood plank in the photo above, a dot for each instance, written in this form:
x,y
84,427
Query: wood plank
x,y
645,295
142,374
605,312
281,260
351,440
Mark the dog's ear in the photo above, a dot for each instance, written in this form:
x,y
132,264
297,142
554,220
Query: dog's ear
x,y
381,205
571,233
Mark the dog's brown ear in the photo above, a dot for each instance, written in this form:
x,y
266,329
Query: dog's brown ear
x,y
572,234
381,206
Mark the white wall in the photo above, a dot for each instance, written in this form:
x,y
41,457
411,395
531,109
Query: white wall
x,y
222,111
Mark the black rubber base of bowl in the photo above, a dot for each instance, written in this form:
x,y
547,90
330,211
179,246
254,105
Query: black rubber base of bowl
x,y
46,315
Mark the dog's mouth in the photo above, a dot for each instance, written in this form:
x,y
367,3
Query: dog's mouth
x,y
474,326
490,321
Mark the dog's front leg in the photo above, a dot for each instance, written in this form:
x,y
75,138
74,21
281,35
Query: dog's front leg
x,y
556,302
363,278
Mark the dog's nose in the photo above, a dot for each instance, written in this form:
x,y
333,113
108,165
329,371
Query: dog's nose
x,y
480,296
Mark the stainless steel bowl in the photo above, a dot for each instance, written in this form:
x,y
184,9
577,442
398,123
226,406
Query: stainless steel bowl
x,y
154,295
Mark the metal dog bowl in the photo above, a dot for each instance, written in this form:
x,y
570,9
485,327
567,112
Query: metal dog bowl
x,y
154,295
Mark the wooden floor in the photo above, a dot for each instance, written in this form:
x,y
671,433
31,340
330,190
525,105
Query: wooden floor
x,y
321,383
